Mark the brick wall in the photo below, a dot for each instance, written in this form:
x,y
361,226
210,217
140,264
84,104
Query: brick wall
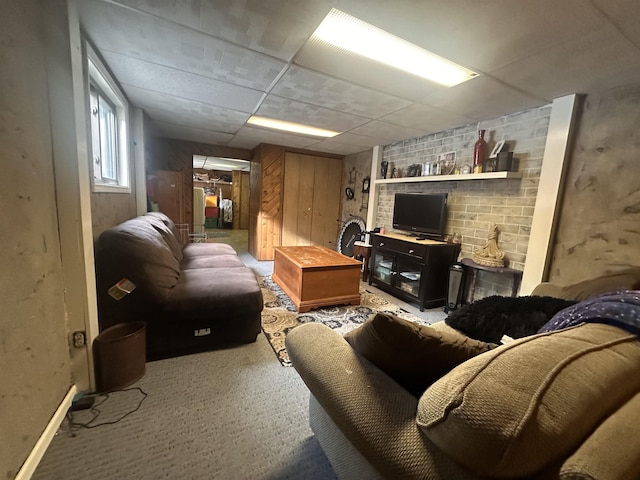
x,y
474,205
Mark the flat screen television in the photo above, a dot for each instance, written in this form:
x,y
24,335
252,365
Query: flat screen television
x,y
422,213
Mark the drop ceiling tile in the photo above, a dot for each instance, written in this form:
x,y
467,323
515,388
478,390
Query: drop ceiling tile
x,y
247,143
217,118
483,98
611,61
386,131
313,115
364,72
191,121
182,84
355,140
275,27
191,134
183,12
328,146
480,35
312,87
120,30
250,137
625,15
425,118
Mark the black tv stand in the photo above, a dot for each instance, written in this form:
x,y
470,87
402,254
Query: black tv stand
x,y
427,236
416,271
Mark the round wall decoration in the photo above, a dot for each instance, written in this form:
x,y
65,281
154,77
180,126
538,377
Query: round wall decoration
x,y
349,193
350,232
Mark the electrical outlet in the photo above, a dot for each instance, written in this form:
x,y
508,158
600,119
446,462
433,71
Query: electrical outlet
x,y
79,339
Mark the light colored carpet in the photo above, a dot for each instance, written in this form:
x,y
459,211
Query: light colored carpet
x,y
227,414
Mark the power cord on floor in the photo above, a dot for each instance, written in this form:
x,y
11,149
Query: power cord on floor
x,y
74,426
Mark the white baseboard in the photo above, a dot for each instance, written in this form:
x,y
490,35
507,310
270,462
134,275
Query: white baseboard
x,y
31,463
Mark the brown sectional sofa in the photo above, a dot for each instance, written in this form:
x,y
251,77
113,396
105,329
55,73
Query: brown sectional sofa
x,y
556,405
195,297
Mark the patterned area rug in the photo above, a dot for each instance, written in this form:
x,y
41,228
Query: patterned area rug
x,y
279,315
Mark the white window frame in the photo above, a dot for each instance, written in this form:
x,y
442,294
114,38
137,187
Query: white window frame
x,y
100,79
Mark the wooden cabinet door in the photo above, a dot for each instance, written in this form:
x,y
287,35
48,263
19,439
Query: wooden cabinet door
x,y
168,194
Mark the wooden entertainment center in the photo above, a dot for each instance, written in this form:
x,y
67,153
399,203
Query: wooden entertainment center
x,y
416,271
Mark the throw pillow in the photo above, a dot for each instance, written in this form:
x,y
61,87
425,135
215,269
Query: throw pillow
x,y
413,355
522,407
490,318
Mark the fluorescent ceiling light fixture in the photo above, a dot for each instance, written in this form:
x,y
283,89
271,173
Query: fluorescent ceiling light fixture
x,y
291,127
220,163
343,31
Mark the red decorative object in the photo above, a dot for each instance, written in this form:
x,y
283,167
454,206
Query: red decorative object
x,y
479,152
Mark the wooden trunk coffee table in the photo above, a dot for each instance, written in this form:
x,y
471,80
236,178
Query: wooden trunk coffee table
x,y
314,276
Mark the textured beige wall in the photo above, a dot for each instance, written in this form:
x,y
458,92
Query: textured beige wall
x,y
599,224
357,166
35,373
109,209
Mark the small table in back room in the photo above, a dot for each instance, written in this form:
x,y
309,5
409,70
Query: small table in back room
x,y
470,284
364,250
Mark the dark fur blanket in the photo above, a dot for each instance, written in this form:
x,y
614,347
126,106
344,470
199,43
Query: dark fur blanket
x,y
492,317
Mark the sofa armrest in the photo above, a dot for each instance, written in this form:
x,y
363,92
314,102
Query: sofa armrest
x,y
625,279
376,414
612,450
548,289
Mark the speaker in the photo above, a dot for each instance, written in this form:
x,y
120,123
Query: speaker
x,y
454,292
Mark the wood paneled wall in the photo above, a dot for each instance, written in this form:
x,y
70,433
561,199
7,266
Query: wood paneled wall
x,y
265,209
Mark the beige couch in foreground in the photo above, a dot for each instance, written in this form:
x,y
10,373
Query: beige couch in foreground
x,y
561,405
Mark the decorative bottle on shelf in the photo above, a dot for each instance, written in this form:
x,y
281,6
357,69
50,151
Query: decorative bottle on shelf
x,y
479,152
383,168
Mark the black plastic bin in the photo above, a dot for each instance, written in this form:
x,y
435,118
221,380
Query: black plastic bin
x,y
455,288
120,354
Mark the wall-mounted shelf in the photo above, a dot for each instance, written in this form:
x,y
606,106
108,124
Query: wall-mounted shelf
x,y
448,178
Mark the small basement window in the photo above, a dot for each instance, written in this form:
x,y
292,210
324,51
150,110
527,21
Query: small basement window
x,y
108,113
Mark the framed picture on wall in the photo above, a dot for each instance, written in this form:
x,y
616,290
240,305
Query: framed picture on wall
x,y
447,163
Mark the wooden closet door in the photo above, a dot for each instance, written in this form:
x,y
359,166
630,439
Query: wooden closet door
x,y
326,201
311,200
297,202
